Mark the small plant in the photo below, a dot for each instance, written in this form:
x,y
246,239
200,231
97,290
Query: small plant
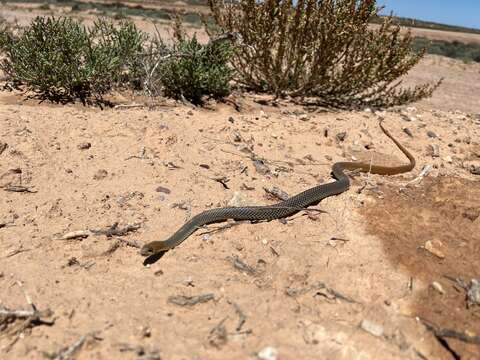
x,y
60,59
188,69
320,49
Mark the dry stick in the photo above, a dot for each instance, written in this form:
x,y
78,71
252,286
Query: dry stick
x,y
240,265
68,352
241,316
113,230
182,300
425,171
18,188
450,333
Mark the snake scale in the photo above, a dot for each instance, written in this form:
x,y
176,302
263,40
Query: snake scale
x,y
281,209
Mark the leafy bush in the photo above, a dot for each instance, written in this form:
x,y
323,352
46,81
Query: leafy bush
x,y
60,59
195,70
323,49
187,69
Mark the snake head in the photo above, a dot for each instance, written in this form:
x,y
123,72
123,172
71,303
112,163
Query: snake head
x,y
147,250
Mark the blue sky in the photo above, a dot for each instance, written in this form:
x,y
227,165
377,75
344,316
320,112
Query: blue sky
x,y
454,12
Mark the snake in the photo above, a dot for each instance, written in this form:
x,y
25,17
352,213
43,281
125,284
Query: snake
x,y
282,209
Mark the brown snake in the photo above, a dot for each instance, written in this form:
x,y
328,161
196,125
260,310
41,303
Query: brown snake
x,y
284,208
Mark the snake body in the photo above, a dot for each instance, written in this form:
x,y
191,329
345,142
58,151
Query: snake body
x,y
281,209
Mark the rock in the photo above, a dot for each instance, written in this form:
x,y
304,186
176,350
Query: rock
x,y
431,134
314,334
475,170
304,117
473,293
268,353
162,189
471,214
438,287
341,136
239,199
231,119
448,159
84,146
372,328
100,174
433,150
408,132
260,167
433,250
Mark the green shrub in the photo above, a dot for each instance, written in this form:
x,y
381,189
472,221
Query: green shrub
x,y
60,59
320,49
195,70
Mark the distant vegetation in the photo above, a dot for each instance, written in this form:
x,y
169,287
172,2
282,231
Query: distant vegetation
x,y
454,49
402,21
116,10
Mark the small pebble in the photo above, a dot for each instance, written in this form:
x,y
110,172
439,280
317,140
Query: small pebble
x,y
162,190
431,134
100,174
372,328
408,132
475,170
268,353
84,146
433,250
341,136
438,287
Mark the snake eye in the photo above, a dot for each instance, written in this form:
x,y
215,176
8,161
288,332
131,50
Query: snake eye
x,y
146,251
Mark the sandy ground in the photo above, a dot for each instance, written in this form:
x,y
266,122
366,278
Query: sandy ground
x,y
366,277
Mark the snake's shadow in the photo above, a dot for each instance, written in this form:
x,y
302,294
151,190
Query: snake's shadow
x,y
152,259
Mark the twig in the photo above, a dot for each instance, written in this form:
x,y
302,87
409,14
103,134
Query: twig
x,y
240,265
214,229
118,243
30,318
3,147
425,171
67,353
123,106
241,316
17,251
322,290
113,230
218,335
450,333
182,300
18,188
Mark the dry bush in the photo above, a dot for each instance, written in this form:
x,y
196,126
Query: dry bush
x,y
320,49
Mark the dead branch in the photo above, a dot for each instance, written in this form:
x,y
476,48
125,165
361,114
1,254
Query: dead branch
x,y
443,333
113,230
182,300
425,171
19,188
241,266
3,147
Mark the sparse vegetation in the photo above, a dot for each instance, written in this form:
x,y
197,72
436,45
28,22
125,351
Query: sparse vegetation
x,y
320,49
454,49
60,59
190,70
